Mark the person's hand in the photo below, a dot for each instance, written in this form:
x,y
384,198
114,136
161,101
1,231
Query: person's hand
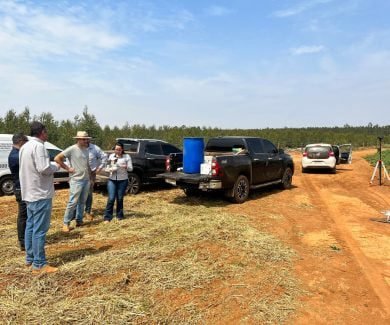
x,y
71,170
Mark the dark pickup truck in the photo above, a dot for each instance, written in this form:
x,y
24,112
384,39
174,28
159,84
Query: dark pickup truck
x,y
149,158
235,165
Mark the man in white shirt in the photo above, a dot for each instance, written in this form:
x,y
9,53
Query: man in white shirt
x,y
37,189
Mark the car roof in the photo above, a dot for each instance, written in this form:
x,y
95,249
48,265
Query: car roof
x,y
8,137
318,145
135,139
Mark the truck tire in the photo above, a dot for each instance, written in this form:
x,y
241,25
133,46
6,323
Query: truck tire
x,y
240,189
134,185
6,185
287,178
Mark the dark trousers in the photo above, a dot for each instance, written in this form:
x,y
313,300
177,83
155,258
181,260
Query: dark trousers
x,y
22,217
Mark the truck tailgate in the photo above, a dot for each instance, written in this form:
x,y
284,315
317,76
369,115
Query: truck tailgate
x,y
177,177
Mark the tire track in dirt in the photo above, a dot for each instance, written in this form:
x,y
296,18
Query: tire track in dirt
x,y
346,201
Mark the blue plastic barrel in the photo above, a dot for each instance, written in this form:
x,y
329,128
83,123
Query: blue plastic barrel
x,y
192,155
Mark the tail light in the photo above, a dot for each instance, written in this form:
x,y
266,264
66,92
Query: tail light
x,y
304,154
331,154
215,168
168,164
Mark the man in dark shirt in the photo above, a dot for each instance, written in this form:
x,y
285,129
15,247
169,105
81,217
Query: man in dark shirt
x,y
18,140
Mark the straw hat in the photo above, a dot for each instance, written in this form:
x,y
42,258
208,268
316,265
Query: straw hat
x,y
82,135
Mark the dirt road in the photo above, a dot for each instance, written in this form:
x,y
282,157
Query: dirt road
x,y
344,256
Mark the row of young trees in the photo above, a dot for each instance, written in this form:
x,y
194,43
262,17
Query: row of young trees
x,y
62,132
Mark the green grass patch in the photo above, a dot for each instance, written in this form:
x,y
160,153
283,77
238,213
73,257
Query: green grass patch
x,y
372,159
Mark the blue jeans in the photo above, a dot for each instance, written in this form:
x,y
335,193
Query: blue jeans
x,y
88,202
78,191
116,191
38,222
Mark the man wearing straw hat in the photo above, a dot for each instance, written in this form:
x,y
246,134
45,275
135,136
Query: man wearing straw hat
x,y
80,175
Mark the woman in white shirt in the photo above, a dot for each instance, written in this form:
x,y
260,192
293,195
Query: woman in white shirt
x,y
118,164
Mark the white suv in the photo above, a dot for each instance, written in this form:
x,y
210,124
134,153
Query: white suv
x,y
319,156
6,179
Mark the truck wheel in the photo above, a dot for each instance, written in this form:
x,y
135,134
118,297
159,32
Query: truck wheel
x,y
240,189
134,185
287,178
7,185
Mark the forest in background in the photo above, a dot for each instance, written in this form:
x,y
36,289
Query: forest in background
x,y
61,132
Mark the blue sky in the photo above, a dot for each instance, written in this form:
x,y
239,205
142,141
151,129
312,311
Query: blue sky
x,y
226,64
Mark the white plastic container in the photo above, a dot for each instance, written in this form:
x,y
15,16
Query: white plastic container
x,y
205,169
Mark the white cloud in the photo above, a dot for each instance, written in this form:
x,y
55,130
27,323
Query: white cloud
x,y
299,8
149,22
307,49
218,11
36,32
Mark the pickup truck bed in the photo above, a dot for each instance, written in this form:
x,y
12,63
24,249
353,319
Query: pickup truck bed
x,y
236,165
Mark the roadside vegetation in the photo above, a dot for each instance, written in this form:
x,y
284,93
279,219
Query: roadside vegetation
x,y
61,133
372,159
172,260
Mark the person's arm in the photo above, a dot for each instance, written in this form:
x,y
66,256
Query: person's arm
x,y
42,161
102,157
13,164
60,160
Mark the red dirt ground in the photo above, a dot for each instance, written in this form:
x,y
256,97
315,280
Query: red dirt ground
x,y
343,255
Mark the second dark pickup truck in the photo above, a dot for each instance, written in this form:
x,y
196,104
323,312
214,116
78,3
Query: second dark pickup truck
x,y
235,165
149,158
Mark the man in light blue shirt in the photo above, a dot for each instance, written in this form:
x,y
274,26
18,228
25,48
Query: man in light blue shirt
x,y
97,160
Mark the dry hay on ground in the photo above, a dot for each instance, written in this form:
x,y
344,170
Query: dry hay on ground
x,y
169,261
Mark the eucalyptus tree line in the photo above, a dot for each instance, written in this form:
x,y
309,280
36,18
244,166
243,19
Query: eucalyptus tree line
x,y
62,132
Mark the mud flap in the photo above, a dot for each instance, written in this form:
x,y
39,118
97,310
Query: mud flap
x,y
229,193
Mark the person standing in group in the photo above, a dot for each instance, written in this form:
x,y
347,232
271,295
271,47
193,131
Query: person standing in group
x,y
18,140
80,175
118,164
37,188
97,160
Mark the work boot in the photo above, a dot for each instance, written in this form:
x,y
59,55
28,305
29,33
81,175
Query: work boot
x,y
45,269
66,228
79,223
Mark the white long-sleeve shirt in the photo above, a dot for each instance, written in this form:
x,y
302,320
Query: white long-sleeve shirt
x,y
119,166
36,171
